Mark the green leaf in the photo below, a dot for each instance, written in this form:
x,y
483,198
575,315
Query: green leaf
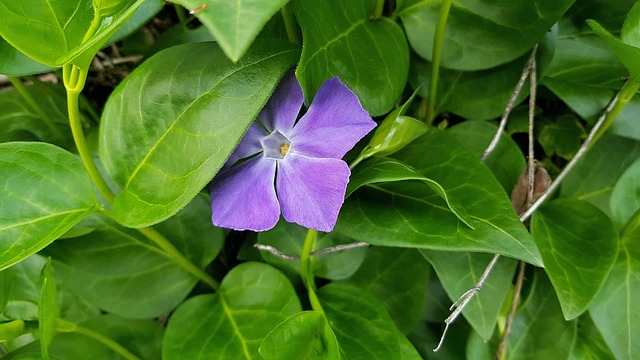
x,y
538,330
459,272
11,330
398,278
23,303
616,310
179,34
19,120
629,55
625,197
595,176
371,57
15,63
383,170
562,137
413,215
60,25
362,326
46,191
394,133
170,125
305,335
121,271
141,337
48,312
253,299
480,35
234,24
626,123
630,32
143,15
288,238
578,244
6,287
506,162
589,342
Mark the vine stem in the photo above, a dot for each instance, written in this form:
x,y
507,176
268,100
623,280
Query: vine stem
x,y
68,326
436,54
22,90
290,24
377,10
306,271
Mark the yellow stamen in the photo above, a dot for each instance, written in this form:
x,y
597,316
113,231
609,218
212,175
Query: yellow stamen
x,y
284,149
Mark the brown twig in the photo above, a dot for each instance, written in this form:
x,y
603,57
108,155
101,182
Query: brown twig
x,y
274,251
512,310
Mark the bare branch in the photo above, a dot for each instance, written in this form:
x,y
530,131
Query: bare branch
x,y
510,104
512,310
328,250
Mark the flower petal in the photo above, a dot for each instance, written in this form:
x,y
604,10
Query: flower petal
x,y
283,107
249,144
244,197
311,190
334,123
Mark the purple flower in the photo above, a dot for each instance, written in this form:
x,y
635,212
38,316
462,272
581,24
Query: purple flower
x,y
303,159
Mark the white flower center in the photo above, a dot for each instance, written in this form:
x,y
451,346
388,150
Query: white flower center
x,y
275,145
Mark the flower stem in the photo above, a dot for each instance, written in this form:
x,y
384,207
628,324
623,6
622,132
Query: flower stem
x,y
436,54
290,24
74,79
306,271
180,14
22,90
166,246
68,326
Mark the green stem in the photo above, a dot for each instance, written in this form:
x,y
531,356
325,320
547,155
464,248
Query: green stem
x,y
626,93
290,24
68,326
377,10
436,54
26,95
166,246
306,271
74,82
180,13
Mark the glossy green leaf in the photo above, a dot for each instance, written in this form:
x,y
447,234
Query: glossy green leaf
x,y
253,299
288,238
629,55
143,15
383,170
394,132
121,271
362,326
562,137
59,24
538,330
180,34
170,125
141,337
459,272
480,35
370,57
506,162
615,310
23,303
46,191
589,342
11,329
234,24
6,287
48,311
625,197
626,123
15,63
595,176
578,244
630,32
398,278
610,14
584,73
413,215
305,335
19,120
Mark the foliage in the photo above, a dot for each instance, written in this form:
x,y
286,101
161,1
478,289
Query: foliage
x,y
116,115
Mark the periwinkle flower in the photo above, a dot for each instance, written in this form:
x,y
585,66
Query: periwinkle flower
x,y
289,167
